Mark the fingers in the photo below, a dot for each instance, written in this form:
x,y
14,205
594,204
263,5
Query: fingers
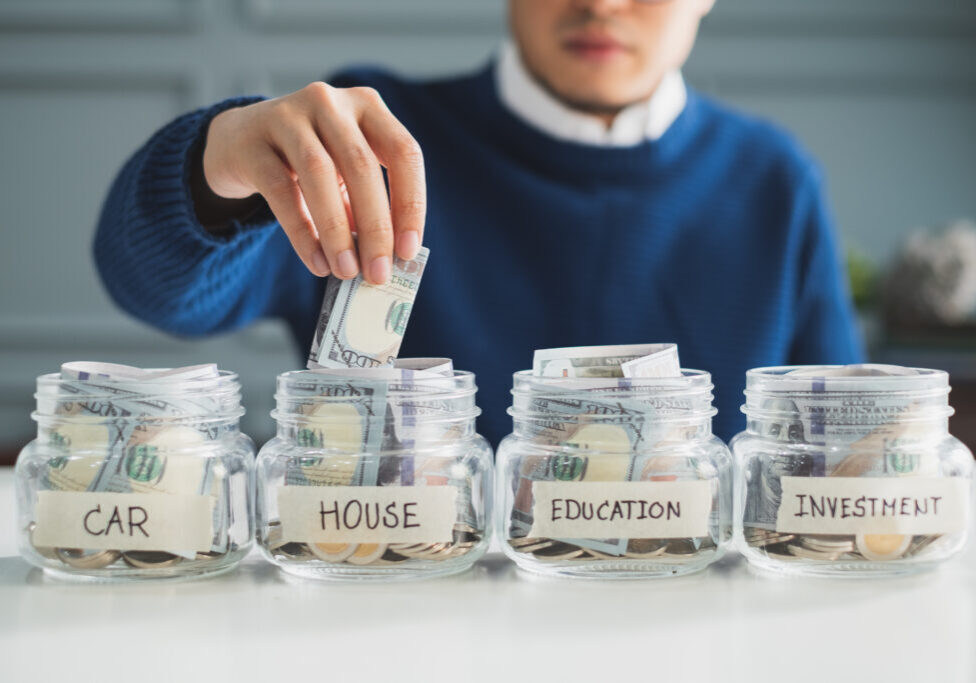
x,y
321,172
400,154
279,186
360,169
319,184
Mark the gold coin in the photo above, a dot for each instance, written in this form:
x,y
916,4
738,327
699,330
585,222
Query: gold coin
x,y
882,547
332,552
367,553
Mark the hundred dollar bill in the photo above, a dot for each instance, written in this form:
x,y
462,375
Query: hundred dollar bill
x,y
592,416
442,366
866,434
108,405
607,361
361,325
354,423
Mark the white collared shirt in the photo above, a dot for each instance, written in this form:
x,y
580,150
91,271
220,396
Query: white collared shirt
x,y
645,120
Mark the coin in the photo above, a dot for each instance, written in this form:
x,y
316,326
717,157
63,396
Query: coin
x,y
680,547
828,544
82,559
809,554
758,538
332,552
882,547
367,553
642,548
559,551
538,544
150,559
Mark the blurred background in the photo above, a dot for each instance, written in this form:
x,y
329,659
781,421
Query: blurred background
x,y
882,91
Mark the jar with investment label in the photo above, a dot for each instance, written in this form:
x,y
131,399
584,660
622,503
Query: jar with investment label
x,y
613,477
136,477
850,470
374,473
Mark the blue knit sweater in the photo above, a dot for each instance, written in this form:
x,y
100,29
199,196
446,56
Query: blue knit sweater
x,y
716,236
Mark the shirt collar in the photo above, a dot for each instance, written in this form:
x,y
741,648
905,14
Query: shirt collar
x,y
644,120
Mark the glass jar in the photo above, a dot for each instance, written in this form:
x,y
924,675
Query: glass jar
x,y
850,470
613,478
136,479
374,474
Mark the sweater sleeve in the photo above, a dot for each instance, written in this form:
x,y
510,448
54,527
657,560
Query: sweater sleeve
x,y
826,331
162,266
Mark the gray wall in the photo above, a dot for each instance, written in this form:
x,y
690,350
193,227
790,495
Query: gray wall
x,y
882,91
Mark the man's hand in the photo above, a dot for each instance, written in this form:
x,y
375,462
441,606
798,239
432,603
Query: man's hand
x,y
315,156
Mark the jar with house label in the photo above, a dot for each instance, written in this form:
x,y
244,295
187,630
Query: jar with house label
x,y
135,474
375,473
613,477
850,470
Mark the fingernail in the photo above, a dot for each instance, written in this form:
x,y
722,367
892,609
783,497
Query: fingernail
x,y
409,244
379,270
319,264
346,264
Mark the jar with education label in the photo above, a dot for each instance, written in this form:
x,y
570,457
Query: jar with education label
x,y
135,474
613,477
374,473
850,470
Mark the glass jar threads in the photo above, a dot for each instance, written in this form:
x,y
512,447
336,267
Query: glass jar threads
x,y
374,474
850,470
135,474
613,477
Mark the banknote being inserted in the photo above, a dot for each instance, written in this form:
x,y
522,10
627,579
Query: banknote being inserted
x,y
361,325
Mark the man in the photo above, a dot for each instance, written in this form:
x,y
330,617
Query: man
x,y
574,192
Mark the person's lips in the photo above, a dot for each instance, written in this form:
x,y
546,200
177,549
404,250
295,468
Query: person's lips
x,y
593,46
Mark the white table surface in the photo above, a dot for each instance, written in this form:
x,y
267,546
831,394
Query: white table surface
x,y
493,623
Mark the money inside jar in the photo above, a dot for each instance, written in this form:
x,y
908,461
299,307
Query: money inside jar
x,y
607,463
851,465
376,464
139,469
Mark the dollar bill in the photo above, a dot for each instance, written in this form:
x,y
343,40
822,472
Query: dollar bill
x,y
607,361
441,366
609,417
125,415
864,432
362,325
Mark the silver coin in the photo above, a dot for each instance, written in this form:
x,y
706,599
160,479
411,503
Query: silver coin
x,y
810,554
83,559
150,559
828,544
